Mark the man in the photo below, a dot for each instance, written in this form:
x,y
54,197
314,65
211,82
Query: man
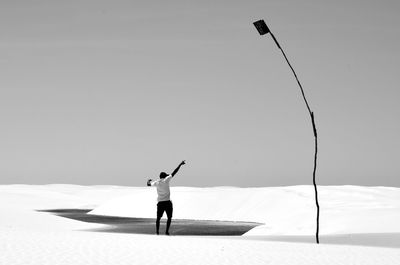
x,y
163,200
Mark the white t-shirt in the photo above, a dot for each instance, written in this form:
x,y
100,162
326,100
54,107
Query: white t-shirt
x,y
163,191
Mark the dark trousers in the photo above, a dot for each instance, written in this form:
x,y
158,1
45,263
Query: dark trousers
x,y
164,206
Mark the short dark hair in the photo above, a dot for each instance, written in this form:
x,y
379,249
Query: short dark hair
x,y
163,175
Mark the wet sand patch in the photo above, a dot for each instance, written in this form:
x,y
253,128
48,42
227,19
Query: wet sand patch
x,y
117,224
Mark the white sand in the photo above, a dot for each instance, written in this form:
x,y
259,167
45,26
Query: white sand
x,y
30,237
284,210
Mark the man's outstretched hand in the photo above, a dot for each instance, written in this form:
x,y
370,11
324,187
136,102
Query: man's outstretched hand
x,y
149,182
183,162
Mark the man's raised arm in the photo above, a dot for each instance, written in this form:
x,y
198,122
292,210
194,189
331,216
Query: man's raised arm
x,y
177,169
150,182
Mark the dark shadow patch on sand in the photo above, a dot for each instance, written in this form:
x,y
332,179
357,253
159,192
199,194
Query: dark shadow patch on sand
x,y
387,240
147,225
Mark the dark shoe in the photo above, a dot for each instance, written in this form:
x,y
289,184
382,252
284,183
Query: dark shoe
x,y
167,233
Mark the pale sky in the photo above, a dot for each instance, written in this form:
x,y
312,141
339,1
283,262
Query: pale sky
x,y
113,92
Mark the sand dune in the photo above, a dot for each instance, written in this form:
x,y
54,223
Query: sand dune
x,y
283,210
31,237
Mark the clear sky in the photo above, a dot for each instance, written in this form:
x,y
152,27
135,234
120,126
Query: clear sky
x,y
113,92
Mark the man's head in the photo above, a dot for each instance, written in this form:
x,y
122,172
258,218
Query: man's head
x,y
163,175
